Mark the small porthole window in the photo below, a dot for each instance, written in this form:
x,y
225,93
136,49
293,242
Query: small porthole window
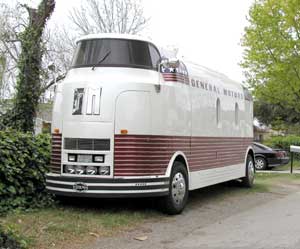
x,y
236,114
218,111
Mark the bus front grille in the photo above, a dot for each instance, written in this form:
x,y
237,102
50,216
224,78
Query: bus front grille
x,y
86,144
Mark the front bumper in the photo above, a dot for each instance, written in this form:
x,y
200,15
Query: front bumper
x,y
106,187
278,162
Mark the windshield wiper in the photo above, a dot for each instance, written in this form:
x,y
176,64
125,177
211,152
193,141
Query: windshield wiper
x,y
100,61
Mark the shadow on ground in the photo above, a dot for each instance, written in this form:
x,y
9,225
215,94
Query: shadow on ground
x,y
196,197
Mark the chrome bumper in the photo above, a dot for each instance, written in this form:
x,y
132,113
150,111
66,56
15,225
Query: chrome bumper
x,y
106,187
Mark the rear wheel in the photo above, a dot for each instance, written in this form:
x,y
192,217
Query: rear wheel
x,y
248,180
176,200
260,163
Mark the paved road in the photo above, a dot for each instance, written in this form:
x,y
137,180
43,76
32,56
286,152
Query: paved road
x,y
221,218
272,225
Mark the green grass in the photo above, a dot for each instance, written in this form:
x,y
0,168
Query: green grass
x,y
266,182
70,227
296,165
269,180
259,187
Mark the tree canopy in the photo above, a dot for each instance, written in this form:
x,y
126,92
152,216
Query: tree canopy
x,y
272,56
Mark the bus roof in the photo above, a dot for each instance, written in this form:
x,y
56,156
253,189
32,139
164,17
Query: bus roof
x,y
195,68
113,36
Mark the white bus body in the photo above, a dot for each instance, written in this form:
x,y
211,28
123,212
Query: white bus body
x,y
125,125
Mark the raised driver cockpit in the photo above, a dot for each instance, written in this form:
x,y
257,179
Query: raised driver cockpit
x,y
110,52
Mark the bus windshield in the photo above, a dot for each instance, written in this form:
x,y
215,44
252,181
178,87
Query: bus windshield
x,y
115,53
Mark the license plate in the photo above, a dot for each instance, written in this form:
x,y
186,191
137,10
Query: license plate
x,y
80,187
85,159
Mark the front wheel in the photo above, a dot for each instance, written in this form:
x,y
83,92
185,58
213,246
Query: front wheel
x,y
248,180
176,200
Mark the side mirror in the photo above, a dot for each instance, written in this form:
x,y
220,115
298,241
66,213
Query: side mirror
x,y
163,60
168,63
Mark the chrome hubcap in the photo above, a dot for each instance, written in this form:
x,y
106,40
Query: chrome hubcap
x,y
251,170
178,188
259,163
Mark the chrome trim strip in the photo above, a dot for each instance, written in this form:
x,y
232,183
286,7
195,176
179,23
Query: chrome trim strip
x,y
112,184
109,191
110,177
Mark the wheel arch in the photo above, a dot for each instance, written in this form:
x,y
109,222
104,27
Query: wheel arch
x,y
177,156
250,151
260,155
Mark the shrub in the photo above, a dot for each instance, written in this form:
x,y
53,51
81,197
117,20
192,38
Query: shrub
x,y
280,142
24,160
10,240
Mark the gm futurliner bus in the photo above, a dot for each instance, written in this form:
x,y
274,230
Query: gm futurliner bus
x,y
128,122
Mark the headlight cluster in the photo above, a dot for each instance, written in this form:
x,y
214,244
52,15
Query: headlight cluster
x,y
87,170
85,158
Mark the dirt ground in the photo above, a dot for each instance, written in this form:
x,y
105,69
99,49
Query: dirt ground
x,y
222,217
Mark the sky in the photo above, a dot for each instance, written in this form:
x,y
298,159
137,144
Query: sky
x,y
207,32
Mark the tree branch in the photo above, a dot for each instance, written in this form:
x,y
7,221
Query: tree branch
x,y
54,81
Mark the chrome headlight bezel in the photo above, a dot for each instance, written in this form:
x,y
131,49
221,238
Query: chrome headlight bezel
x,y
80,170
69,169
104,170
72,158
98,158
91,170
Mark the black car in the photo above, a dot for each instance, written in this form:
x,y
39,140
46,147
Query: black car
x,y
266,157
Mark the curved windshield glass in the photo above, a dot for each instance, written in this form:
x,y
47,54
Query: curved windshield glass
x,y
115,53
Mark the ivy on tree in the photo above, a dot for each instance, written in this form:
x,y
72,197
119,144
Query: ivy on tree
x,y
28,87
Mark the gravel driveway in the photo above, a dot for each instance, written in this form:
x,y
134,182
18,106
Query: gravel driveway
x,y
222,217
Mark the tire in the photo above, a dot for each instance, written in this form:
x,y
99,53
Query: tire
x,y
260,163
248,180
176,200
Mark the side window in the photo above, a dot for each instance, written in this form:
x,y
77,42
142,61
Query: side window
x,y
139,53
218,111
155,56
236,114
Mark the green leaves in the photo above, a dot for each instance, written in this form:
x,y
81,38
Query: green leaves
x,y
10,239
24,160
280,142
272,52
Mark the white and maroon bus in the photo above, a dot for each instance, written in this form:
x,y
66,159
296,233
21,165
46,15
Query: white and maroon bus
x,y
128,123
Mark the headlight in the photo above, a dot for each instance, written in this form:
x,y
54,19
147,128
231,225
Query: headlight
x,y
105,170
91,170
72,158
79,170
98,158
69,169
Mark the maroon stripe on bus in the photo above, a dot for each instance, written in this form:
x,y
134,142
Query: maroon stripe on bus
x,y
142,155
177,77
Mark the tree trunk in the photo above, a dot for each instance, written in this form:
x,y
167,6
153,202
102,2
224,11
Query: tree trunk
x,y
28,88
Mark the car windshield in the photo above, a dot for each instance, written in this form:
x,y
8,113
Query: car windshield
x,y
261,146
115,53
